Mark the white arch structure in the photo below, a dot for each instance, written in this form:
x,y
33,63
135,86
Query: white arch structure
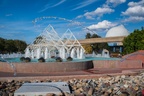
x,y
49,44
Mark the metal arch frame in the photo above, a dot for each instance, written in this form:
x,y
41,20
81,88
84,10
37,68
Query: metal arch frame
x,y
52,41
70,38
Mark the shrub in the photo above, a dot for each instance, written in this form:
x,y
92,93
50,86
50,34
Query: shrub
x,y
27,59
52,56
22,58
69,59
58,59
41,59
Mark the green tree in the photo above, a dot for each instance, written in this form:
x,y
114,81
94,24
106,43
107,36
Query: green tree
x,y
10,46
88,48
88,35
134,42
98,47
95,36
2,44
20,45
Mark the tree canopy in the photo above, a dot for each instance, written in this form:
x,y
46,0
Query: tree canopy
x,y
88,48
10,46
134,41
88,35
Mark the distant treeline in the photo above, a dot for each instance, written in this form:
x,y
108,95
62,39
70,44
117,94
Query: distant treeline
x,y
10,46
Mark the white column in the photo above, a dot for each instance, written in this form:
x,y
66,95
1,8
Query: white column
x,y
46,53
93,54
60,52
63,53
27,52
73,53
38,53
81,53
32,54
49,56
78,53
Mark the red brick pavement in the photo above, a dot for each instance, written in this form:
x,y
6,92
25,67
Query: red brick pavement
x,y
91,73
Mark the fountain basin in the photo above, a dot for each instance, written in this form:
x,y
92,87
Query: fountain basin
x,y
36,67
53,68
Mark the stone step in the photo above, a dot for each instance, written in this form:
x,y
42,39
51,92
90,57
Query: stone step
x,y
42,89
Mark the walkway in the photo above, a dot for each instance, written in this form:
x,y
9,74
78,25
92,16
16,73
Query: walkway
x,y
102,40
85,74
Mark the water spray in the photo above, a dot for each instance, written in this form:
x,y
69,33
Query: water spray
x,y
64,19
11,65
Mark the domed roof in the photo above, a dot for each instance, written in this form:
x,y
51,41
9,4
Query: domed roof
x,y
117,31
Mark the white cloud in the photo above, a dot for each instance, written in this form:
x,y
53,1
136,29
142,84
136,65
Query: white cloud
x,y
102,25
61,1
115,2
98,12
131,4
135,11
80,16
84,3
134,19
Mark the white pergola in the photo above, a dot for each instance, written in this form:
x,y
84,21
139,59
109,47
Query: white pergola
x,y
49,44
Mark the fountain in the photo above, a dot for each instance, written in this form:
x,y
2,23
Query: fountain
x,y
66,46
50,40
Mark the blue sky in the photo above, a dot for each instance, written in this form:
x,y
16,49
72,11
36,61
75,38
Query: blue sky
x,y
26,19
